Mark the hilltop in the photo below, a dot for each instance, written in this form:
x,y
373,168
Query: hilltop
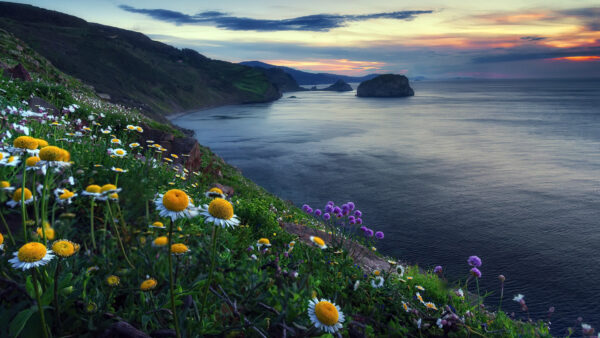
x,y
307,78
132,69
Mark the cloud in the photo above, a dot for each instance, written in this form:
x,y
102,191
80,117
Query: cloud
x,y
590,16
533,38
545,54
316,23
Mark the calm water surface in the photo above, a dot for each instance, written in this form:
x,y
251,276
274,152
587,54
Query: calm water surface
x,y
506,170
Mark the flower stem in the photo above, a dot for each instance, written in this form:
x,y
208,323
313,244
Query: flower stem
x,y
12,239
478,297
23,209
501,296
118,236
210,274
172,282
92,223
39,303
56,304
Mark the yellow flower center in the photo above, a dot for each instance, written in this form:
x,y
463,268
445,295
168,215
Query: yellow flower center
x,y
1,156
25,142
318,240
11,159
148,284
31,161
140,129
130,127
115,140
120,152
326,313
114,196
53,153
220,208
32,252
161,241
63,248
1,239
175,200
4,184
17,195
217,190
264,241
66,195
179,248
50,234
41,143
113,280
108,187
376,272
93,189
158,224
119,170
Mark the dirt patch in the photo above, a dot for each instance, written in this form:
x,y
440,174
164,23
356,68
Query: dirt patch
x,y
363,256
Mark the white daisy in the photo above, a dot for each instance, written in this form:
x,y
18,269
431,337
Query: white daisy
x,y
157,225
215,193
119,170
119,152
16,198
377,282
318,241
518,298
94,191
31,255
175,204
5,186
325,315
263,242
10,161
64,196
220,212
401,268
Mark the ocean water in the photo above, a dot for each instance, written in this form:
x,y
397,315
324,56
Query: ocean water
x,y
508,170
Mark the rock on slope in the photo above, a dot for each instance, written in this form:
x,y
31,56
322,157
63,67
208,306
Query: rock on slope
x,y
387,85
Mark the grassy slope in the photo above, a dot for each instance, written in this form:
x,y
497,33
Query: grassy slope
x,y
132,68
265,297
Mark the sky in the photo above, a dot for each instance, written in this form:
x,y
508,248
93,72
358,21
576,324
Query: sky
x,y
429,38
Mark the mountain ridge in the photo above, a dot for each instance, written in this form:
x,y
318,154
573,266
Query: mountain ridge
x,y
308,78
132,69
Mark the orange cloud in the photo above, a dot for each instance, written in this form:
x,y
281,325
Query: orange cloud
x,y
341,66
513,18
579,58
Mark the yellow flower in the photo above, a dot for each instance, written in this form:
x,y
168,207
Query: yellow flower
x,y
1,241
179,249
31,255
50,234
4,184
113,280
430,305
148,284
325,315
108,188
54,154
319,242
160,241
41,143
63,247
175,200
158,225
25,142
32,161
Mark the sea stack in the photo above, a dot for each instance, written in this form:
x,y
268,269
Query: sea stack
x,y
339,86
386,85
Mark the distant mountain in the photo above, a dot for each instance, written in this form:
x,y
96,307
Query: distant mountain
x,y
130,67
281,79
306,78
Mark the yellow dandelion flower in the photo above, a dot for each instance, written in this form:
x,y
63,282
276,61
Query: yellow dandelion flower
x,y
148,284
50,233
179,249
113,280
160,241
25,142
63,248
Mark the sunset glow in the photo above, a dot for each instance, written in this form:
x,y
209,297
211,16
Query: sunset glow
x,y
579,58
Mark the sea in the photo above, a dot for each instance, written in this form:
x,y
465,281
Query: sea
x,y
508,170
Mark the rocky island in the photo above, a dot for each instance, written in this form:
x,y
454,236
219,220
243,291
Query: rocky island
x,y
339,86
386,85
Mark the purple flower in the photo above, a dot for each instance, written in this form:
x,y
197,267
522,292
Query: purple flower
x,y
358,213
475,272
318,212
305,207
345,207
352,222
326,216
328,208
351,205
363,228
309,210
474,261
339,215
337,210
437,269
369,232
359,221
330,203
379,234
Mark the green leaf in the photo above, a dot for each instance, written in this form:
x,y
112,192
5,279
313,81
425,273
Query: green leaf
x,y
29,287
18,323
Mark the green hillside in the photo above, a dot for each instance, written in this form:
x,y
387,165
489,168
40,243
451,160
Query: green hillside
x,y
132,68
